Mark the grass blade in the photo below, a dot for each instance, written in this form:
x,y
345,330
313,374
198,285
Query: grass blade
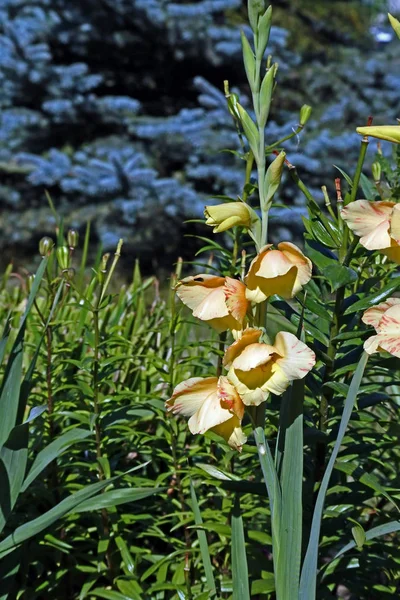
x,y
240,574
202,537
309,572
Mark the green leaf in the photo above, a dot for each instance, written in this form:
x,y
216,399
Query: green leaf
x,y
290,453
309,570
358,534
367,187
339,276
375,298
65,507
10,389
263,586
371,534
250,130
249,62
110,594
116,497
355,471
13,459
202,537
240,574
52,451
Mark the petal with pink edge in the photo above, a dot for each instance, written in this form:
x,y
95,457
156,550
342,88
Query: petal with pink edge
x,y
370,221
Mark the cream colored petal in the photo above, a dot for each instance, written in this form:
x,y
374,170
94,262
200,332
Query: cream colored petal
x,y
371,345
278,382
210,414
250,396
194,290
213,306
297,359
304,264
273,264
378,238
364,217
255,295
395,223
231,221
390,343
253,356
373,315
235,298
188,396
232,433
229,397
390,321
250,336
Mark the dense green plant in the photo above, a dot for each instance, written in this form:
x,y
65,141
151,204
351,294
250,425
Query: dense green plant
x,y
105,495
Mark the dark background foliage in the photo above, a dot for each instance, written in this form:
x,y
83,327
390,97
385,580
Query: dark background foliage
x,y
116,108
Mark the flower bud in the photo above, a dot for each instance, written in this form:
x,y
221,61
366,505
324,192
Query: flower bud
x,y
63,257
29,283
103,268
390,133
305,114
45,246
69,274
395,24
273,178
255,9
230,214
73,238
376,171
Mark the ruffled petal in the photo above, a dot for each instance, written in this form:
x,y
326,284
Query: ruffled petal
x,y
373,315
297,358
188,396
232,433
370,221
253,356
194,290
229,397
250,396
395,224
250,336
235,298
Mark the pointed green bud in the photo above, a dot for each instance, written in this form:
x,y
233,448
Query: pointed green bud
x,y
305,114
250,131
73,238
101,275
68,274
255,9
376,171
273,178
45,246
63,257
395,24
390,133
266,90
263,30
29,283
249,62
232,100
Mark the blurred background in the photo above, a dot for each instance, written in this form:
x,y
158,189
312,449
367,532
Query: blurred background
x,y
115,107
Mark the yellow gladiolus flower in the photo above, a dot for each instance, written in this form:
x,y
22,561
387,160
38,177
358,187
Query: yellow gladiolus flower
x,y
257,369
283,271
390,133
377,224
220,301
211,404
230,214
385,318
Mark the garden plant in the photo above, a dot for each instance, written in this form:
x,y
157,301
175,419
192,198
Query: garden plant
x,y
284,358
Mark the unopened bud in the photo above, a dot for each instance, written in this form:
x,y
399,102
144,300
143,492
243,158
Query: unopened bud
x,y
69,274
29,282
73,238
395,24
45,246
255,9
103,268
63,257
305,114
376,171
390,133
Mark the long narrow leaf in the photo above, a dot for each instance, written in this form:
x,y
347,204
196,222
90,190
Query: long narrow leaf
x,y
240,575
308,579
10,389
384,529
202,537
287,563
